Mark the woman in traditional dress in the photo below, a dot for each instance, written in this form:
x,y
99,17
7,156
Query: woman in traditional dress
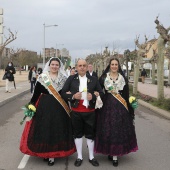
x,y
115,134
49,134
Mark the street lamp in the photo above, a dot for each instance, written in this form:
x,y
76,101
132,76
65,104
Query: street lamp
x,y
44,41
127,55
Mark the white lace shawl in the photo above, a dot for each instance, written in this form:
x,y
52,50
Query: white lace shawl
x,y
58,84
118,84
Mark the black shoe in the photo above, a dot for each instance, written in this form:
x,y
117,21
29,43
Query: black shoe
x,y
46,159
115,163
50,163
94,162
78,162
110,158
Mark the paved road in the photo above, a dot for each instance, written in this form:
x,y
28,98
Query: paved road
x,y
152,134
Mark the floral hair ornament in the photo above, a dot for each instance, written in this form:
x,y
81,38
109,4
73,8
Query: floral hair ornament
x,y
29,111
133,102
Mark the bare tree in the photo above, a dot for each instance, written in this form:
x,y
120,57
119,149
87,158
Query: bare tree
x,y
14,57
153,60
163,38
167,53
11,37
141,53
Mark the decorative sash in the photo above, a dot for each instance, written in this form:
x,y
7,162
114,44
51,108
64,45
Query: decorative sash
x,y
47,82
120,98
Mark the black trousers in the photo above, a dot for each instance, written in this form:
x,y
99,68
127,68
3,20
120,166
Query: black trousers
x,y
83,124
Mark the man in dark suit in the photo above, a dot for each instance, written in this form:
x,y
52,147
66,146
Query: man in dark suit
x,y
79,91
90,71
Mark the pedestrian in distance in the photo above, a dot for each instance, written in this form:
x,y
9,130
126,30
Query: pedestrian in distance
x,y
39,71
68,71
90,70
9,77
115,130
32,77
49,133
79,91
143,75
73,71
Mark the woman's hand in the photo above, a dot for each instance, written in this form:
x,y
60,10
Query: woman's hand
x,y
113,92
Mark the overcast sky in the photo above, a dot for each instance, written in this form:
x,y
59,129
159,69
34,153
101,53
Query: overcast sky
x,y
84,26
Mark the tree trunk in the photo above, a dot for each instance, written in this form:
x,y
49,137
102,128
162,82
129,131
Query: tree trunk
x,y
160,68
1,51
136,76
169,74
153,72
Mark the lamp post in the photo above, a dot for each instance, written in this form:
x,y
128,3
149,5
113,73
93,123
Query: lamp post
x,y
44,42
127,54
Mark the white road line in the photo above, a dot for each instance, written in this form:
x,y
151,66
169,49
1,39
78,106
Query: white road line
x,y
23,162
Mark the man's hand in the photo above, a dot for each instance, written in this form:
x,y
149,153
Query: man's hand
x,y
78,95
68,92
96,93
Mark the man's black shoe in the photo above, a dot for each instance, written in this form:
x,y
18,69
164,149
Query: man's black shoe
x,y
78,162
115,163
46,159
50,163
94,162
110,158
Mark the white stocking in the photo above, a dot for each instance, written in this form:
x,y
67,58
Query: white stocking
x,y
51,159
114,158
90,144
79,143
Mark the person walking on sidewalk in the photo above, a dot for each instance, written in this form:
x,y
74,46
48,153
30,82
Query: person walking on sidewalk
x,y
79,91
49,133
9,72
115,131
32,78
143,75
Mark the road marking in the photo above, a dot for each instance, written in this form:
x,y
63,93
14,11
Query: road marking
x,y
23,162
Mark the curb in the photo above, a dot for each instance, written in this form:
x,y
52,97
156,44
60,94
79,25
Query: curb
x,y
13,97
157,110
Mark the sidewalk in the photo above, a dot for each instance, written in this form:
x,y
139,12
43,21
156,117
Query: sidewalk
x,y
21,89
151,90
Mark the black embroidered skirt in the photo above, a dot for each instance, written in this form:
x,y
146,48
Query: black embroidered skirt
x,y
49,133
115,132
